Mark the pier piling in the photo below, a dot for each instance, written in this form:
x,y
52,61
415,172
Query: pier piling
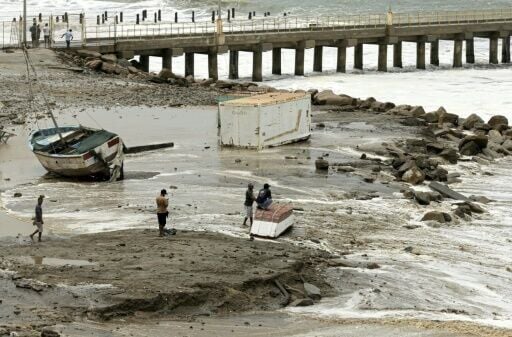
x,y
420,55
505,50
383,57
358,56
318,58
434,53
257,65
189,64
276,61
233,64
397,55
457,53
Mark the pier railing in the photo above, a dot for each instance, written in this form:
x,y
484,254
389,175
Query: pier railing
x,y
87,33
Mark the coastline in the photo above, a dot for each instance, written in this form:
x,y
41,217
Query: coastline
x,y
356,186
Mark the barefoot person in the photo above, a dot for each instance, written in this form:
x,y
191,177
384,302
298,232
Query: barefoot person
x,y
162,202
249,201
38,220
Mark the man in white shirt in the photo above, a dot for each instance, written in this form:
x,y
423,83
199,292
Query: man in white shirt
x,y
69,37
46,34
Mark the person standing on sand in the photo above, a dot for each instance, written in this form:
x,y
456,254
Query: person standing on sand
x,y
38,35
33,35
162,202
38,220
249,201
46,34
69,38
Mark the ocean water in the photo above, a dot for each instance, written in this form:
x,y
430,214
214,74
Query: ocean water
x,y
461,272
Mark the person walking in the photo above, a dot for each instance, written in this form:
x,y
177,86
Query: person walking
x,y
46,34
249,201
38,35
162,202
33,35
69,38
264,199
38,220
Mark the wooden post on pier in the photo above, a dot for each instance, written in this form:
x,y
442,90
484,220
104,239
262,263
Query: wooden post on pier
x,y
434,53
167,59
420,55
358,56
470,50
383,57
505,50
257,65
276,61
189,64
318,58
144,62
493,49
121,17
159,15
233,64
457,53
213,71
397,55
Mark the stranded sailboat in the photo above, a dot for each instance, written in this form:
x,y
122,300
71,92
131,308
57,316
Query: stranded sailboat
x,y
76,151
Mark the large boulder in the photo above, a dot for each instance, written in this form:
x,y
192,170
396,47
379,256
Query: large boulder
x,y
507,145
437,216
108,67
312,291
166,73
480,140
470,149
124,63
112,58
94,64
84,53
413,176
496,122
469,123
327,97
446,117
450,155
495,137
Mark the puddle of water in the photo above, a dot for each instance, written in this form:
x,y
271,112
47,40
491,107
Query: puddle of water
x,y
54,262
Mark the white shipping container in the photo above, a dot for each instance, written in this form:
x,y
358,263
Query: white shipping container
x,y
265,120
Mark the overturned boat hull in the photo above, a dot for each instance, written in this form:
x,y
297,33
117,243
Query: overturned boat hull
x,y
86,153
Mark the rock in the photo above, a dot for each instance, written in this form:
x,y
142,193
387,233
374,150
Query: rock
x,y
445,117
312,291
207,82
133,70
49,332
495,137
438,174
302,302
18,195
507,144
430,117
124,63
470,149
224,84
84,53
34,285
94,64
480,140
412,250
413,121
416,111
498,120
328,97
450,155
166,74
110,58
190,79
369,179
321,164
372,265
469,123
381,107
482,127
475,208
446,191
423,198
437,216
345,169
108,68
414,176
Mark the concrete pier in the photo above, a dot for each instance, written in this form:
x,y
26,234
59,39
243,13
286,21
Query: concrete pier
x,y
457,53
505,50
434,53
358,56
189,64
493,49
167,59
470,50
397,55
233,64
318,58
299,61
420,55
276,61
383,58
257,66
144,62
213,71
341,59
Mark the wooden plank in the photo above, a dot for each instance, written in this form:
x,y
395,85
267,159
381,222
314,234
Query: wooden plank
x,y
150,147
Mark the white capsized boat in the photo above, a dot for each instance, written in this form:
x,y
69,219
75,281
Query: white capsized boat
x,y
77,151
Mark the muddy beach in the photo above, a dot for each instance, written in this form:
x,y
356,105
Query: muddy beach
x,y
358,235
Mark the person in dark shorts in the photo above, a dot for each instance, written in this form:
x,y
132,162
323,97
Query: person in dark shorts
x,y
249,201
162,202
